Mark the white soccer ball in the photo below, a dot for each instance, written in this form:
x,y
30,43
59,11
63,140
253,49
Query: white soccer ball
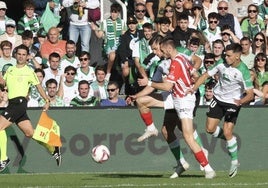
x,y
100,153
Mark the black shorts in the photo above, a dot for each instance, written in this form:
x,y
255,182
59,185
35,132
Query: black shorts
x,y
171,120
15,112
218,110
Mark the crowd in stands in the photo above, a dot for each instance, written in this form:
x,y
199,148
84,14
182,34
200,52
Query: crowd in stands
x,y
60,55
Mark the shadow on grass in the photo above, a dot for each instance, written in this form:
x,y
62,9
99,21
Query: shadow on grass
x,y
130,175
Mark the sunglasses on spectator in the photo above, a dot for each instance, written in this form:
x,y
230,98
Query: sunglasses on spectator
x,y
4,90
225,34
70,73
168,10
222,8
209,62
252,11
260,59
179,0
112,90
113,11
83,59
3,9
211,22
140,11
257,39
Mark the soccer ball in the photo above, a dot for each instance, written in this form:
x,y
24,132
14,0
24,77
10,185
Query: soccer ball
x,y
100,153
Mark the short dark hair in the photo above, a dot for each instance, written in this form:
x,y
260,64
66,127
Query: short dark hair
x,y
113,83
235,47
68,68
85,53
54,54
148,26
82,82
183,16
209,56
213,15
5,43
245,39
156,39
100,68
41,71
115,7
70,42
163,20
28,3
51,81
27,34
23,47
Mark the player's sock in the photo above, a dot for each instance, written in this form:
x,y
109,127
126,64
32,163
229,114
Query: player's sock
x,y
48,147
176,151
3,145
148,120
201,158
232,148
198,139
219,133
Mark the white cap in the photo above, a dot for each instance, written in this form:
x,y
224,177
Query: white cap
x,y
3,5
11,22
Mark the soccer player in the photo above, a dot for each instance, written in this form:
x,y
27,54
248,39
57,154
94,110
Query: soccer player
x,y
18,79
178,81
234,82
146,99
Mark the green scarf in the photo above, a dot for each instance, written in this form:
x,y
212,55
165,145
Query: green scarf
x,y
113,33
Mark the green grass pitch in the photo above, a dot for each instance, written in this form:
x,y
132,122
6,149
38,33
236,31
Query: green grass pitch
x,y
189,178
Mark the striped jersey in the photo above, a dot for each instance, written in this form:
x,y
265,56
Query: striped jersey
x,y
179,74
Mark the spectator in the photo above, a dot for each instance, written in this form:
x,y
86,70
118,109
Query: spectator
x,y
180,8
247,56
261,68
83,99
111,29
197,19
70,59
124,52
34,95
208,96
53,71
218,50
227,36
251,25
142,49
263,11
182,32
30,20
70,85
85,72
99,86
55,96
169,12
3,17
113,99
204,46
6,57
155,8
11,35
140,11
40,5
53,44
41,38
226,18
209,6
163,25
34,59
259,43
79,23
239,8
213,32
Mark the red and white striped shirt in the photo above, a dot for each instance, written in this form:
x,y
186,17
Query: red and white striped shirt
x,y
180,74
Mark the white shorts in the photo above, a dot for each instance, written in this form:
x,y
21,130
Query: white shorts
x,y
168,100
185,106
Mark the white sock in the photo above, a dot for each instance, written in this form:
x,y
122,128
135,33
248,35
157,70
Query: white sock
x,y
151,127
217,131
208,168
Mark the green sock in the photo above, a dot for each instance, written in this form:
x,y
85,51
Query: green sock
x,y
176,150
232,148
3,145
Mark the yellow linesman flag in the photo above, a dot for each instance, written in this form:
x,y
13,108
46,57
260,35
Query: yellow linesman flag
x,y
47,131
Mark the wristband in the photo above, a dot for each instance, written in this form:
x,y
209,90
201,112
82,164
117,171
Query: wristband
x,y
47,101
149,83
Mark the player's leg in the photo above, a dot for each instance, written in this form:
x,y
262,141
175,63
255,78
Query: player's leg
x,y
144,103
110,63
232,146
184,107
170,121
4,160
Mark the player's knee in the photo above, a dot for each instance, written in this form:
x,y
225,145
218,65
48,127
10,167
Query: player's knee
x,y
164,132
